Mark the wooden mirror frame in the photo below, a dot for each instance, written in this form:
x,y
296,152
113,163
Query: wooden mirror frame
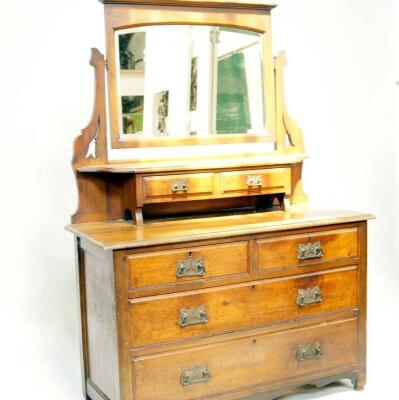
x,y
119,14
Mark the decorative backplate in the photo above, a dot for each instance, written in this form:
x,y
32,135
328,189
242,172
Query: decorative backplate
x,y
179,186
254,180
309,251
309,296
193,316
310,351
195,375
190,267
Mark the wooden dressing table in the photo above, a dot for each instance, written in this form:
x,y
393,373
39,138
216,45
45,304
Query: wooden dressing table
x,y
206,277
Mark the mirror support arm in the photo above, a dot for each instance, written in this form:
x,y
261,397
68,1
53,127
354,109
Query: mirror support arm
x,y
90,147
285,124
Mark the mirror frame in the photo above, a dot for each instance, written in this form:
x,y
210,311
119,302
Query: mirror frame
x,y
122,16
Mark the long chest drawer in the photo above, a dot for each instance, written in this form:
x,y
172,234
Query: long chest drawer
x,y
236,307
226,367
188,265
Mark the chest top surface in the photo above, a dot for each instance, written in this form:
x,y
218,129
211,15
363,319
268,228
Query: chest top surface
x,y
115,235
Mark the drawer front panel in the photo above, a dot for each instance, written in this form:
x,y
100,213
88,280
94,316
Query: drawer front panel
x,y
173,266
229,366
212,311
288,251
175,187
276,180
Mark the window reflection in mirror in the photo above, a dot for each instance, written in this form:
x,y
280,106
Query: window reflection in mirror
x,y
182,80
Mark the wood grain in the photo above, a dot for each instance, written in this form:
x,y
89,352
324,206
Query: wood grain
x,y
114,235
289,135
159,188
274,180
156,319
96,129
159,268
248,4
101,325
282,252
246,362
196,164
362,328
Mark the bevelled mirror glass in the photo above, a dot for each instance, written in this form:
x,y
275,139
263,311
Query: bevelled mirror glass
x,y
183,80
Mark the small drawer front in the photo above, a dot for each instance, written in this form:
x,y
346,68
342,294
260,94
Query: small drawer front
x,y
175,187
290,251
228,366
193,264
274,180
247,305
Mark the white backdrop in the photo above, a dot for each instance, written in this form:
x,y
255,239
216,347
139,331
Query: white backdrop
x,y
340,84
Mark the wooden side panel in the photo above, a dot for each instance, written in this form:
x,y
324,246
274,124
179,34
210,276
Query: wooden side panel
x,y
248,305
101,324
244,362
104,197
297,193
282,252
159,268
362,332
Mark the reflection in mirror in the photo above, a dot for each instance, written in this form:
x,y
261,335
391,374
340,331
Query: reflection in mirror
x,y
182,80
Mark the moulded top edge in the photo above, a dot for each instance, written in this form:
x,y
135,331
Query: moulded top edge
x,y
244,4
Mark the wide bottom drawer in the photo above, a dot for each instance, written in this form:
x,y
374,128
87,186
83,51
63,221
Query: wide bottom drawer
x,y
228,366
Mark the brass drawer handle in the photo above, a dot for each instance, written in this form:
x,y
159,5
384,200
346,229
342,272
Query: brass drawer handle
x,y
311,351
179,186
309,251
254,180
195,375
309,296
190,267
193,316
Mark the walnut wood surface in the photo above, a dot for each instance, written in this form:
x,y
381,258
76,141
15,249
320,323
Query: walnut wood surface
x,y
97,128
342,287
286,126
273,180
362,331
159,268
193,164
133,347
249,4
242,306
262,360
159,188
114,235
101,324
282,252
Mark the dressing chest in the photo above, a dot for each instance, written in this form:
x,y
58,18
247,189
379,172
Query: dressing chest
x,y
202,271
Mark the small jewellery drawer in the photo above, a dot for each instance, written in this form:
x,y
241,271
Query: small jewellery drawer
x,y
175,187
295,250
199,372
273,180
192,264
247,305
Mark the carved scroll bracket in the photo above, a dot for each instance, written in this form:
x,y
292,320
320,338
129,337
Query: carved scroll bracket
x,y
90,147
286,126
